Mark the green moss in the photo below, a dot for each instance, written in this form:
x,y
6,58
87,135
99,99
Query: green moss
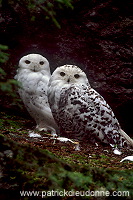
x,y
25,167
32,168
12,123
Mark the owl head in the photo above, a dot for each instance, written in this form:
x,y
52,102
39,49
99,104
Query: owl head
x,y
34,63
68,74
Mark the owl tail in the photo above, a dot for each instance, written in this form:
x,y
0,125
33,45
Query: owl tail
x,y
127,138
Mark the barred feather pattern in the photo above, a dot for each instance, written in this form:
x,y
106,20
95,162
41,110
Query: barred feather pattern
x,y
80,110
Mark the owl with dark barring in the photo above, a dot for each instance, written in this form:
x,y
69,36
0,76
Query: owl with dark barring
x,y
81,111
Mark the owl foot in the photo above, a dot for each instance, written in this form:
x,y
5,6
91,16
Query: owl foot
x,y
47,131
33,134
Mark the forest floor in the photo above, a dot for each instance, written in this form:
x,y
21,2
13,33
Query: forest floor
x,y
102,156
45,164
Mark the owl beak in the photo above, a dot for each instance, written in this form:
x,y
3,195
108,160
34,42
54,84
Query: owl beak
x,y
35,68
68,80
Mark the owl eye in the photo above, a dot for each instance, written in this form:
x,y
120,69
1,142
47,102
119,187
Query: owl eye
x,y
76,76
41,63
27,61
62,74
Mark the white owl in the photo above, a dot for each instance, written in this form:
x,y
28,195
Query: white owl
x,y
34,74
82,112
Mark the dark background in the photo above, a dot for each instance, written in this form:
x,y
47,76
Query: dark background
x,y
95,35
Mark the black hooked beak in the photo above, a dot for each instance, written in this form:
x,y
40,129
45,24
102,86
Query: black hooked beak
x,y
68,80
35,68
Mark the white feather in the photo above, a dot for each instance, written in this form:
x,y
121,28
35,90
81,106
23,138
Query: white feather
x,y
117,152
130,158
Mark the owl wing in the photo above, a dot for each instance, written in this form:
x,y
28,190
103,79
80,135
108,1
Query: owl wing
x,y
109,124
87,112
102,110
104,122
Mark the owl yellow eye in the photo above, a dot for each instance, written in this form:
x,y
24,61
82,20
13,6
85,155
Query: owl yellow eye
x,y
76,76
27,61
62,74
41,63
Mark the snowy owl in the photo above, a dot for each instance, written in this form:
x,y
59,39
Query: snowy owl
x,y
34,74
82,112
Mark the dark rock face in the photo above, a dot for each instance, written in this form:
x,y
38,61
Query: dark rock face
x,y
96,36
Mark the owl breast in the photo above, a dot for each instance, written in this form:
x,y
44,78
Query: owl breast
x,y
81,111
